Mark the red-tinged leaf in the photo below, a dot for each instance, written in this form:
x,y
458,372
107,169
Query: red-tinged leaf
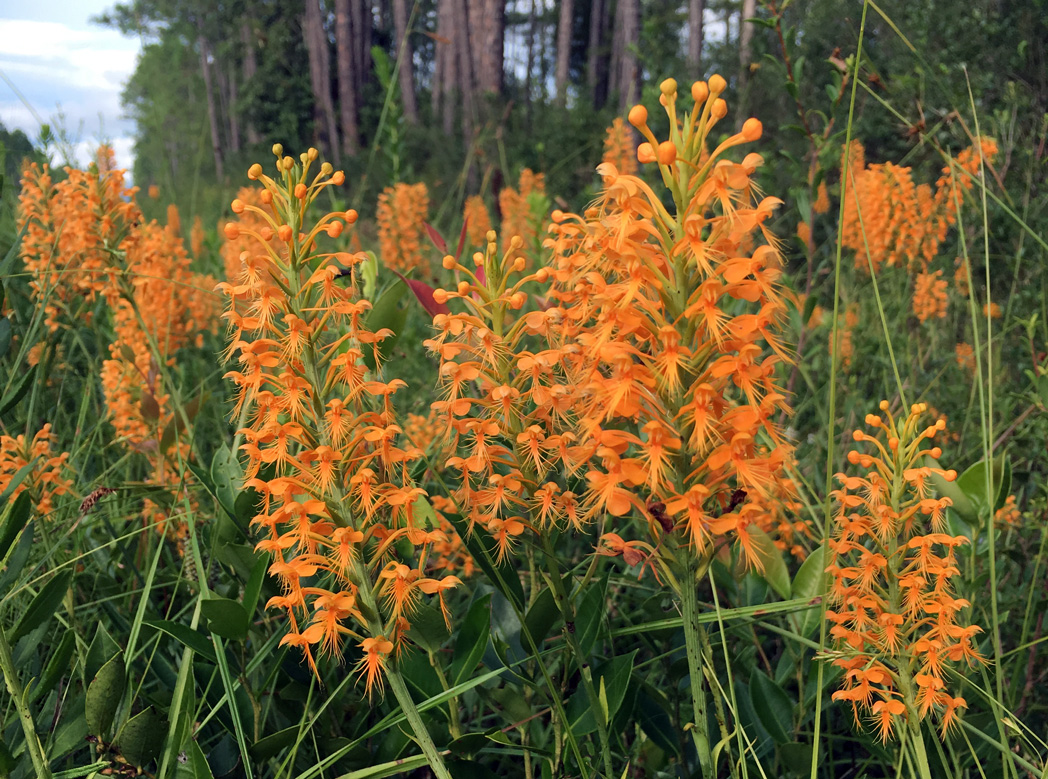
x,y
462,239
424,293
434,236
481,276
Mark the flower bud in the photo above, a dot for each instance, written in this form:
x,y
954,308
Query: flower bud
x,y
278,150
440,295
300,191
334,230
254,172
463,287
267,233
752,129
285,233
645,153
700,91
232,230
638,116
720,108
668,87
667,153
266,196
339,178
351,216
237,206
517,300
717,84
448,262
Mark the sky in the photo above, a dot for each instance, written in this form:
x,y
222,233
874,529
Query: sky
x,y
59,68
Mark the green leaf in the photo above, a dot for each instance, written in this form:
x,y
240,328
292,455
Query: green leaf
x,y
502,575
796,757
590,612
196,641
775,572
973,484
809,584
227,476
472,639
5,335
103,648
428,628
15,519
43,606
772,705
368,270
18,558
56,666
542,616
423,509
196,766
142,737
270,746
611,678
226,617
386,313
7,761
655,721
103,696
253,588
10,400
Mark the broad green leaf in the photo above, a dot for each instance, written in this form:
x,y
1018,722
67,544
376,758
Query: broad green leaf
x,y
103,648
542,616
590,612
655,720
195,766
611,680
43,606
502,575
227,476
973,484
253,588
422,509
775,572
472,639
57,665
103,696
772,705
270,746
18,391
386,314
809,584
226,617
15,519
7,761
5,335
428,628
796,757
196,641
142,737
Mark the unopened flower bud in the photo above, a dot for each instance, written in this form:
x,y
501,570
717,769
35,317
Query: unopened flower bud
x,y
285,233
278,150
448,262
339,178
237,206
351,216
720,108
668,87
638,116
667,153
700,91
232,230
645,153
752,129
717,84
266,196
463,287
254,172
300,191
334,230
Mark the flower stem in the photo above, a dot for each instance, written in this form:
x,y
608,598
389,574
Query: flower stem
x,y
561,597
407,705
693,643
14,687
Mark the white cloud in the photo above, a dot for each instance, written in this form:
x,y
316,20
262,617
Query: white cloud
x,y
70,74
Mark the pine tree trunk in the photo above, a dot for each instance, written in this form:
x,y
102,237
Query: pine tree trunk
x,y
247,39
212,111
624,68
749,10
564,23
347,93
233,111
464,55
696,9
596,74
320,78
404,60
488,24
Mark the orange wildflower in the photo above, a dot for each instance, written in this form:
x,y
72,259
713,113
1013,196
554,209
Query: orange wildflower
x,y
477,220
891,602
619,147
401,215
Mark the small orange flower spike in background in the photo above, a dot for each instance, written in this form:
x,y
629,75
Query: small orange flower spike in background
x,y
893,612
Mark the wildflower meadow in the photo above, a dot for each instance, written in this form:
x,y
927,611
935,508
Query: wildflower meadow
x,y
488,388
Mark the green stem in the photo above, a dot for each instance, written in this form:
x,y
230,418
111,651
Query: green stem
x,y
453,712
14,687
567,613
693,643
407,705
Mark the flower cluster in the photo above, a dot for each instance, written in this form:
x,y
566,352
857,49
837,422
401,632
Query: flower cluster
x,y
523,209
323,444
895,618
670,336
48,477
401,215
477,220
619,147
